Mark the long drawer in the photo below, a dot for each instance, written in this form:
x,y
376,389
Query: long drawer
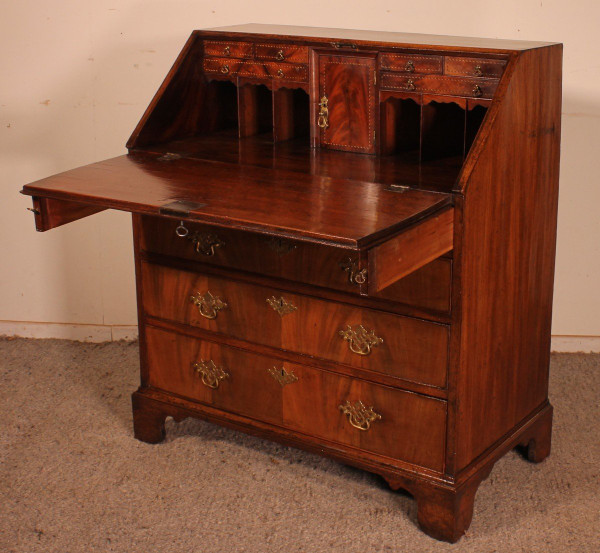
x,y
387,421
258,69
319,265
397,346
438,84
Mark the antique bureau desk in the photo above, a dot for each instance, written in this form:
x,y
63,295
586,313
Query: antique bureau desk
x,y
345,241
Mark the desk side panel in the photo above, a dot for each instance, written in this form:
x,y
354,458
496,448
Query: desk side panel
x,y
505,257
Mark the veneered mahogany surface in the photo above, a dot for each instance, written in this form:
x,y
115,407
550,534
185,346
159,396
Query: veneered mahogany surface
x,y
350,213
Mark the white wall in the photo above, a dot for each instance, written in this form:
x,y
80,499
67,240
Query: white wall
x,y
76,75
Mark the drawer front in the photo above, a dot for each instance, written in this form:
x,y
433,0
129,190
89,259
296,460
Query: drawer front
x,y
270,70
232,49
407,63
450,86
397,346
282,52
401,425
474,67
428,287
226,378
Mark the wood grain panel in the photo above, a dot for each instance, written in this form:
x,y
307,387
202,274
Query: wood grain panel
x,y
410,63
431,84
474,67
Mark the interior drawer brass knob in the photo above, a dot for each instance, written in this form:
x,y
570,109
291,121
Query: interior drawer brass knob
x,y
410,85
205,243
227,51
409,67
211,374
279,56
282,376
280,73
477,71
477,92
360,340
359,415
225,69
208,305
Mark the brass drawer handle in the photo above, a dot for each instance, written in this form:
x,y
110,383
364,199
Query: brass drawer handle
x,y
409,67
280,55
281,305
211,374
280,73
477,71
225,69
477,92
282,376
360,340
354,275
227,51
208,305
359,415
323,120
410,85
205,242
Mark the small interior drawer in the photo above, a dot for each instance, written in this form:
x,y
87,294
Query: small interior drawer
x,y
304,399
399,347
272,70
409,63
230,49
282,52
449,86
473,67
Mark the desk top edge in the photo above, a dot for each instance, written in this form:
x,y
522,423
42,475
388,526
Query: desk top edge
x,y
369,36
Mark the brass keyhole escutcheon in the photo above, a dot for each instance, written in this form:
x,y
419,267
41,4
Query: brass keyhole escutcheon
x,y
360,340
205,242
211,374
323,120
359,415
225,69
208,305
280,56
282,376
281,305
477,92
409,67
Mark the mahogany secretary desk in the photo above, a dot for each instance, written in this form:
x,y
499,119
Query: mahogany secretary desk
x,y
345,241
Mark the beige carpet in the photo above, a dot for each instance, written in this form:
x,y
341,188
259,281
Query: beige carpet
x,y
73,479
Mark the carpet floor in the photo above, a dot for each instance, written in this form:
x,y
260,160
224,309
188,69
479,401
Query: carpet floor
x,y
73,479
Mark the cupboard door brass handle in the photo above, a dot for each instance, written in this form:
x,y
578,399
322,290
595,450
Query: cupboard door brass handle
x,y
208,305
410,66
280,56
282,376
211,374
410,85
354,275
477,71
477,92
205,242
227,51
225,69
359,415
323,120
360,341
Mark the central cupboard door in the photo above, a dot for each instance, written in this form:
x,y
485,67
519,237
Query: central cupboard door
x,y
346,103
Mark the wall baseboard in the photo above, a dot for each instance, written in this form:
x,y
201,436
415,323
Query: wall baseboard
x,y
109,333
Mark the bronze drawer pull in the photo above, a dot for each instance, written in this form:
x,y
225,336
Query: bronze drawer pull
x,y
359,415
477,92
280,73
410,66
410,85
282,376
211,374
227,51
205,242
354,275
323,120
360,340
478,72
280,56
208,305
225,69
281,305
